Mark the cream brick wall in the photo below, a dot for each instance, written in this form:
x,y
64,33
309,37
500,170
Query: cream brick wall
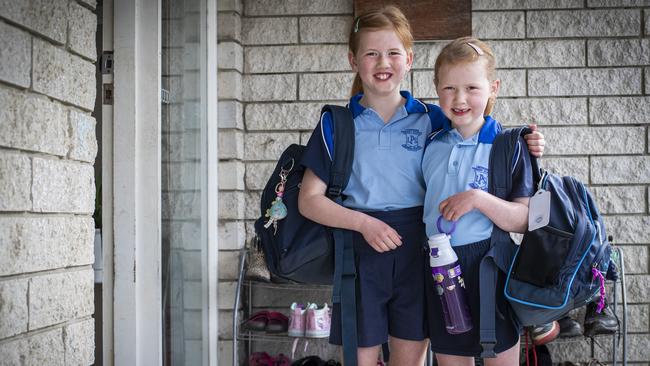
x,y
47,188
580,69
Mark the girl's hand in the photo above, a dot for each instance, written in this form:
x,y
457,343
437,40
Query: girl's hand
x,y
379,235
454,207
535,142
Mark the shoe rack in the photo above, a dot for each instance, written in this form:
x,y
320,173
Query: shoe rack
x,y
244,294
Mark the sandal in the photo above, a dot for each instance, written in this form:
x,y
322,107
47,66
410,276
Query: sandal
x,y
260,359
277,322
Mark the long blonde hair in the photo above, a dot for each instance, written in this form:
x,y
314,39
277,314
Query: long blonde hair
x,y
388,17
466,50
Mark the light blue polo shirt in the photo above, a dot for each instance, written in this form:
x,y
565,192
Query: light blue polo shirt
x,y
387,171
452,165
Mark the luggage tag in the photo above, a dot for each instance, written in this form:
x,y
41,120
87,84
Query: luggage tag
x,y
539,210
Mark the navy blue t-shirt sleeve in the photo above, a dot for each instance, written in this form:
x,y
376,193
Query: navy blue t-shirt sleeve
x,y
317,154
522,175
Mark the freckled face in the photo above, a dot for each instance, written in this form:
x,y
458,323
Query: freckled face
x,y
381,62
464,90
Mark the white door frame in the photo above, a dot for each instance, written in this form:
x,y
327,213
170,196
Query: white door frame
x,y
131,184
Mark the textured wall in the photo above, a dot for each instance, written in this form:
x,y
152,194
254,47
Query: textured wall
x,y
47,189
580,69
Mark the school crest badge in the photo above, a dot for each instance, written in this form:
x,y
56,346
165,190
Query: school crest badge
x,y
480,178
412,139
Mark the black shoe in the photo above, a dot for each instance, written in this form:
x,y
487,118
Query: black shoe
x,y
604,322
569,327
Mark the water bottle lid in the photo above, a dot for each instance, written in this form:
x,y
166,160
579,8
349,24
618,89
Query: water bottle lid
x,y
439,226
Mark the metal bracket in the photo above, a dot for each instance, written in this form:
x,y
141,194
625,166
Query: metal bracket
x,y
108,94
107,62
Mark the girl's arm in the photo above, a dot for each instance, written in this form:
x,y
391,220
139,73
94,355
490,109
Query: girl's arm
x,y
314,205
509,216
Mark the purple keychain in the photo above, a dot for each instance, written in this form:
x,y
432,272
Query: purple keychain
x,y
449,283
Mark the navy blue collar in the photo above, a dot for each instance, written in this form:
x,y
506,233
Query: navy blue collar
x,y
412,105
486,134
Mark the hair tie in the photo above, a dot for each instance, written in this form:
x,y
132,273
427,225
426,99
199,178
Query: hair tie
x,y
356,24
476,48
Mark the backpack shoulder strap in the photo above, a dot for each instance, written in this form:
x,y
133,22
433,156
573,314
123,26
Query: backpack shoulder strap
x,y
343,136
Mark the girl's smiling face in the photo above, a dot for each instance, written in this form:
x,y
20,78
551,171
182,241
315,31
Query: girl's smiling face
x,y
464,90
381,62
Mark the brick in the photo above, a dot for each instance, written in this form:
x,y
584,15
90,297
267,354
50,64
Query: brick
x,y
619,199
226,294
269,87
232,235
257,174
190,263
181,176
635,258
39,349
545,111
267,31
628,229
180,117
15,177
228,265
616,3
63,76
583,23
183,235
594,140
620,169
307,58
575,352
229,27
225,352
611,111
283,298
525,4
267,146
640,315
83,142
287,7
192,295
495,25
513,83
229,85
231,205
231,144
231,5
425,54
82,25
193,325
250,230
575,167
181,205
13,307
60,297
48,18
32,122
230,55
325,86
231,175
230,114
15,59
61,186
225,327
647,22
175,39
31,244
325,29
282,116
637,349
181,147
304,137
561,82
91,3
423,86
252,205
647,79
79,340
546,53
618,52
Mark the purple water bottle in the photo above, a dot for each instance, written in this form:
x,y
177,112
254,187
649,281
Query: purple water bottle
x,y
449,282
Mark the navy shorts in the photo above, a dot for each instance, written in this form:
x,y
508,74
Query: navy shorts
x,y
468,344
390,285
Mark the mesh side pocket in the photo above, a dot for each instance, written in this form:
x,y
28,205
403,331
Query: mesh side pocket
x,y
541,256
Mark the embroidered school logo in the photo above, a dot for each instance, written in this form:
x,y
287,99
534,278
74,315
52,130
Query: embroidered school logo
x,y
412,139
480,178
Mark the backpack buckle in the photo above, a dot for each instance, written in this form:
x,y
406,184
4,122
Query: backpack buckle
x,y
488,349
334,191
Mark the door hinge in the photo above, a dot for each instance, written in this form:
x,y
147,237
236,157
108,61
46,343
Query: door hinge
x,y
108,94
107,62
164,96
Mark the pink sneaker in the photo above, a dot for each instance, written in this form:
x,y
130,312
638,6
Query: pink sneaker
x,y
296,321
318,321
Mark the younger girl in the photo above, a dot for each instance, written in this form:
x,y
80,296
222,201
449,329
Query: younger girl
x,y
384,195
455,167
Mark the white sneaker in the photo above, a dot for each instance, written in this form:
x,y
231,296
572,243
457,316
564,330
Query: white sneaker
x,y
296,321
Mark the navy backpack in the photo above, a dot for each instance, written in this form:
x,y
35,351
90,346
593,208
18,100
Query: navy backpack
x,y
558,267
